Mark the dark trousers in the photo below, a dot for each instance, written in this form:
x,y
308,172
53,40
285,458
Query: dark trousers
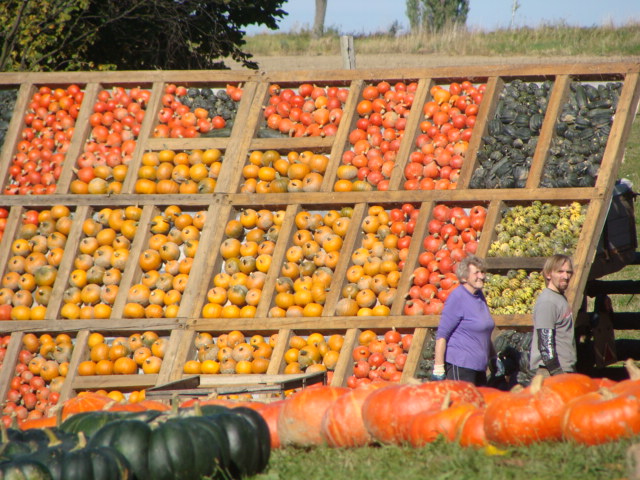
x,y
454,372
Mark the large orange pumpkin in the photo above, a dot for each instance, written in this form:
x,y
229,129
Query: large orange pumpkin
x,y
300,418
602,416
270,412
429,425
471,430
535,413
342,424
387,413
84,402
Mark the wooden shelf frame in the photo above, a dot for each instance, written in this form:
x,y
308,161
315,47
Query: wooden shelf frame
x,y
226,201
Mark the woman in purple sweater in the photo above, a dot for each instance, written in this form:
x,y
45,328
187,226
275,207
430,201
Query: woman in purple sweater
x,y
463,341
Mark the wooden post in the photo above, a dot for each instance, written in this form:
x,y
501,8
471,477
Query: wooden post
x,y
348,52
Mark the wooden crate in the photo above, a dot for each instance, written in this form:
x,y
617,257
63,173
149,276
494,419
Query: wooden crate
x,y
228,199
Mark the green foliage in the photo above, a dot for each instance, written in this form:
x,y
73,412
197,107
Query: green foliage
x,y
414,14
442,13
38,35
49,35
435,15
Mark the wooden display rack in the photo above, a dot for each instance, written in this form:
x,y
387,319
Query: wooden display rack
x,y
226,200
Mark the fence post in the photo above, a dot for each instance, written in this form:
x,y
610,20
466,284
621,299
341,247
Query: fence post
x,y
348,52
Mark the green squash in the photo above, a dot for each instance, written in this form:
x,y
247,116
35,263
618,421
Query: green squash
x,y
100,463
91,422
24,469
172,452
243,443
131,439
262,434
216,457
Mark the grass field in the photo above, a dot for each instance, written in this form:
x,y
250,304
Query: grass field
x,y
442,461
551,40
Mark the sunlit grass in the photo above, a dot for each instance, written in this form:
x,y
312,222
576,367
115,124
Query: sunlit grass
x,y
558,40
440,461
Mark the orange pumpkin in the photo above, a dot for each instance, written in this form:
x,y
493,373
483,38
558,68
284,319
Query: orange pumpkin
x,y
342,424
300,419
84,402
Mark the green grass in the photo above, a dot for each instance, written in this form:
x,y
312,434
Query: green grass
x,y
442,461
548,40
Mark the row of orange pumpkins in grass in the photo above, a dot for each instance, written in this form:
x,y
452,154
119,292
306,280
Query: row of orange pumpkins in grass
x,y
570,407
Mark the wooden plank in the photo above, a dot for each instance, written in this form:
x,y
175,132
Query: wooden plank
x,y
277,363
341,322
133,271
416,196
344,366
8,368
66,265
202,143
620,130
321,198
14,222
585,251
626,320
186,350
287,229
217,381
414,356
612,287
80,354
353,238
17,123
113,326
341,139
485,113
170,356
207,248
81,132
146,129
412,131
113,382
191,77
557,99
447,73
292,143
246,124
208,261
488,234
507,263
411,263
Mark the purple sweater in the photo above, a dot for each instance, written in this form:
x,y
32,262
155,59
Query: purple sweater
x,y
466,324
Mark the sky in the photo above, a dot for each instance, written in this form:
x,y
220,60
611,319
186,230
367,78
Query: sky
x,y
370,16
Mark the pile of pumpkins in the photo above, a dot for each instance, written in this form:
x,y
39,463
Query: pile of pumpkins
x,y
223,438
212,441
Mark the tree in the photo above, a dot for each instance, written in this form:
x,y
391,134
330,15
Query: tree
x,y
414,14
440,13
434,15
318,19
47,35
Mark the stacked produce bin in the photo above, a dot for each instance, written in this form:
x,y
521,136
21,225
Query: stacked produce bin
x,y
303,214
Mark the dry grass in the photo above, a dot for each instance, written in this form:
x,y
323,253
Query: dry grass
x,y
558,40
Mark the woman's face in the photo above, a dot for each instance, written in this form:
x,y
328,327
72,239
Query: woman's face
x,y
475,279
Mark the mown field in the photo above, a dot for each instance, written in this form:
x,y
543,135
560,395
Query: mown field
x,y
448,461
